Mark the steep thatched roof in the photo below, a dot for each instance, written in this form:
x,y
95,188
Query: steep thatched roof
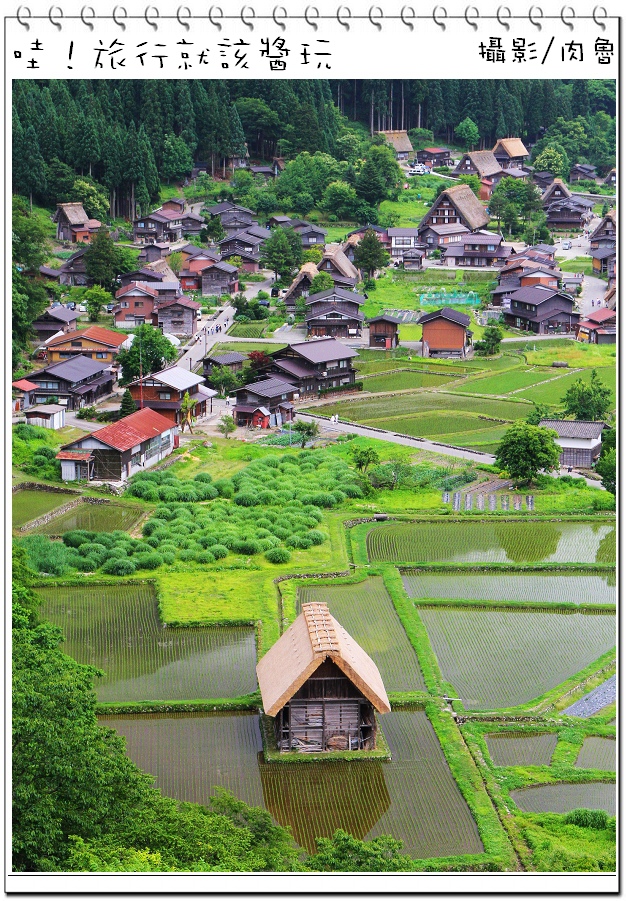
x,y
306,270
467,205
399,140
485,162
549,191
74,213
512,147
314,637
335,253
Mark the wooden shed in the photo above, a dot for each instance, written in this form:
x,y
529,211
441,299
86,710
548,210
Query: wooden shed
x,y
383,331
446,331
321,688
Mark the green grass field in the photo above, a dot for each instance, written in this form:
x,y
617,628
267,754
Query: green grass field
x,y
403,381
246,347
577,354
404,407
552,392
502,384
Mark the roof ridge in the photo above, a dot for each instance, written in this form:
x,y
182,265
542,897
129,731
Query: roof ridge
x,y
324,640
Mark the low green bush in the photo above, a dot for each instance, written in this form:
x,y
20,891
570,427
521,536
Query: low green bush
x,y
278,555
588,819
119,567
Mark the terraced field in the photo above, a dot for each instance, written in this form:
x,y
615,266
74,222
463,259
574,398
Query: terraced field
x,y
565,796
401,381
487,542
366,611
117,629
496,659
541,588
94,518
552,392
598,754
30,503
521,749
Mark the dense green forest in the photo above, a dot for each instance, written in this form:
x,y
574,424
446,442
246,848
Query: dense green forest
x,y
129,136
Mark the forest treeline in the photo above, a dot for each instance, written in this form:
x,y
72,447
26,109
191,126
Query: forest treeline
x,y
129,136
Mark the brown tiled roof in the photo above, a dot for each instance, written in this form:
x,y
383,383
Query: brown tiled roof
x,y
345,309
314,637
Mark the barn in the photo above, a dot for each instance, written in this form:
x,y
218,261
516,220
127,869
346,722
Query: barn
x,y
320,687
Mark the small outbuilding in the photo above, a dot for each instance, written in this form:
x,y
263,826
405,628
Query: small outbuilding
x,y
580,440
384,332
47,416
446,331
320,687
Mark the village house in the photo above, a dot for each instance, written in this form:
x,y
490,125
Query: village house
x,y
598,327
94,342
434,236
413,258
605,233
117,451
71,272
234,221
300,286
582,172
400,142
336,264
446,332
522,272
456,206
75,383
480,248
224,210
315,366
264,404
580,441
159,226
73,223
563,210
379,231
611,178
401,240
55,320
309,234
265,171
334,313
383,332
216,279
23,395
541,310
483,164
177,204
151,253
433,156
320,687
135,305
176,316
602,257
192,224
164,392
146,276
232,360
46,416
543,180
246,245
510,153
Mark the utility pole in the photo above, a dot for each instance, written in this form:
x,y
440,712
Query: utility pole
x,y
140,377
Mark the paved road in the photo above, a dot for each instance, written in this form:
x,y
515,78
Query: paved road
x,y
203,340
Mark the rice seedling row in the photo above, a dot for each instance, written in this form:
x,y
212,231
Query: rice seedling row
x,y
552,392
29,503
504,384
430,425
543,588
93,517
412,797
564,796
247,329
497,659
521,749
408,404
597,754
117,629
401,381
367,613
500,542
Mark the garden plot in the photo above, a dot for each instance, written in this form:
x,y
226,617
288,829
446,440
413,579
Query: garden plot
x,y
366,612
412,797
521,749
536,588
117,629
402,381
190,754
487,542
247,329
565,796
497,659
29,503
597,754
94,518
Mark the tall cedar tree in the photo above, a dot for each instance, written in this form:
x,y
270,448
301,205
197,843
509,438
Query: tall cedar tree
x,y
128,405
369,254
102,259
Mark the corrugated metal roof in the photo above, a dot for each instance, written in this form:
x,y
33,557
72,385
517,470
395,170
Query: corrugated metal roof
x,y
74,370
446,313
321,350
175,377
131,430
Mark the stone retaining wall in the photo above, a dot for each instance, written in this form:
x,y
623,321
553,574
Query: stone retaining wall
x,y
37,486
59,511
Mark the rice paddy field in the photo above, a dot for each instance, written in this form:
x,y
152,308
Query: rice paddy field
x,y
492,542
521,749
94,518
552,392
366,612
413,797
537,588
597,754
564,796
497,659
29,503
117,629
373,410
247,329
403,381
501,385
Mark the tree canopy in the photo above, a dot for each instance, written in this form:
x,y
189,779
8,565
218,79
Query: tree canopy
x,y
526,450
587,401
149,352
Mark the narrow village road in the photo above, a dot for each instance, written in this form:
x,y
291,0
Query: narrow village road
x,y
203,340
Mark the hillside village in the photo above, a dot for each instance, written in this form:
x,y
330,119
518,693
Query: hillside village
x,y
331,345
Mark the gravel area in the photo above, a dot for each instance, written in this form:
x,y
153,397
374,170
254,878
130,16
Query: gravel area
x,y
593,702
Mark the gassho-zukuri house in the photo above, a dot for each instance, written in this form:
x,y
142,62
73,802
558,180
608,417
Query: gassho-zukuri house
x,y
320,687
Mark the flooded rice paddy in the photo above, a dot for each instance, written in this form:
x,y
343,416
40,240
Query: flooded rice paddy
x,y
539,588
565,796
521,749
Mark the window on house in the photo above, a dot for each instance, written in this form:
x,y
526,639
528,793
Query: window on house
x,y
140,225
138,303
101,355
165,395
125,304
